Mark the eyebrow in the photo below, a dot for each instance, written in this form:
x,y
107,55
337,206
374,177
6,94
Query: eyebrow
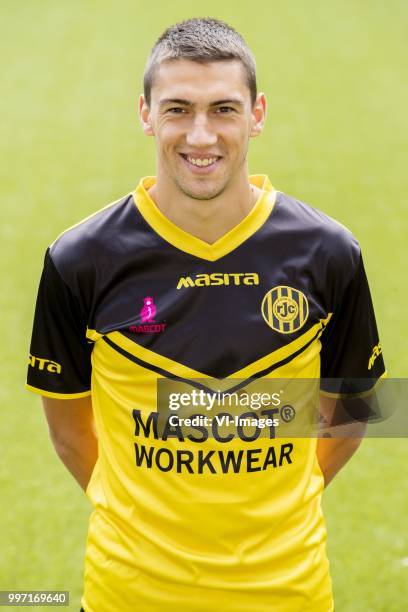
x,y
182,102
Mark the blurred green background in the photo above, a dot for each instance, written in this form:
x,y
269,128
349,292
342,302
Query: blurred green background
x,y
336,137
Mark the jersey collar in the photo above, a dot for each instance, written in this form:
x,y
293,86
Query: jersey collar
x,y
195,246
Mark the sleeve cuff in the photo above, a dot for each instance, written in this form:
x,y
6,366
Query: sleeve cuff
x,y
52,394
362,394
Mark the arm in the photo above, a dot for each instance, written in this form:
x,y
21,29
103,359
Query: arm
x,y
72,432
333,453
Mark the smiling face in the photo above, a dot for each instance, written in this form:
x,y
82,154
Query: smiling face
x,y
202,118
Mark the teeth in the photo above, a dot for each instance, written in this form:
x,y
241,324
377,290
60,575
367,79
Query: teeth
x,y
201,162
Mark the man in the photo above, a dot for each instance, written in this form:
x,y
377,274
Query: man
x,y
202,272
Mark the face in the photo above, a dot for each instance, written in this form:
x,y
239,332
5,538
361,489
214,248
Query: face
x,y
202,118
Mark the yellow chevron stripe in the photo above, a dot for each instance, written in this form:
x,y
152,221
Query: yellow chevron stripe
x,y
184,371
283,353
93,335
154,358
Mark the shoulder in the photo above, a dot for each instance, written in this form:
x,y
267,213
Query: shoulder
x,y
314,247
83,254
324,238
90,240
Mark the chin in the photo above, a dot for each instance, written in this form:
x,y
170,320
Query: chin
x,y
202,192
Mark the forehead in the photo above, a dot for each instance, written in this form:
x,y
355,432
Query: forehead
x,y
185,79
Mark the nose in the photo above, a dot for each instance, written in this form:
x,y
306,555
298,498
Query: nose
x,y
200,133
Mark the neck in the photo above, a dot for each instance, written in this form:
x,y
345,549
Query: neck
x,y
205,219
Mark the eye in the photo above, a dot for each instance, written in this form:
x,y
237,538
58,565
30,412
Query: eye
x,y
176,110
225,109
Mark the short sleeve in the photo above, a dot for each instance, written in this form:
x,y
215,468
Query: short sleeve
x,y
351,355
60,356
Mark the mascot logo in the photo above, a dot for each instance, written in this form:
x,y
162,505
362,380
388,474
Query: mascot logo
x,y
148,311
148,324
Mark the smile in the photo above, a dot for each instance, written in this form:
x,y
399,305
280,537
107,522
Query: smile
x,y
201,162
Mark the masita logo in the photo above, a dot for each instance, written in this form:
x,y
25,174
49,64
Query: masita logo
x,y
44,364
147,315
377,350
285,309
218,278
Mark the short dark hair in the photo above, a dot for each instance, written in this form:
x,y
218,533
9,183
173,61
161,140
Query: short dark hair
x,y
201,40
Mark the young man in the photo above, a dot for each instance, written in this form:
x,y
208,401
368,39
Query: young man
x,y
202,272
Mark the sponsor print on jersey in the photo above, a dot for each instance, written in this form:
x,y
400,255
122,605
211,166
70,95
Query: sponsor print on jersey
x,y
285,309
219,278
147,314
148,311
44,364
377,350
194,460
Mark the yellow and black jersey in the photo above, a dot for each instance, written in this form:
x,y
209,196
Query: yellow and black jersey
x,y
126,299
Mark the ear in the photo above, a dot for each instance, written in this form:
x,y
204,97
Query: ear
x,y
258,115
144,115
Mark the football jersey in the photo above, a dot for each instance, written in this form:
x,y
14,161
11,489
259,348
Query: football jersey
x,y
127,299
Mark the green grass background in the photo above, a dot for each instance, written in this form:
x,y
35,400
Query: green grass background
x,y
336,136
